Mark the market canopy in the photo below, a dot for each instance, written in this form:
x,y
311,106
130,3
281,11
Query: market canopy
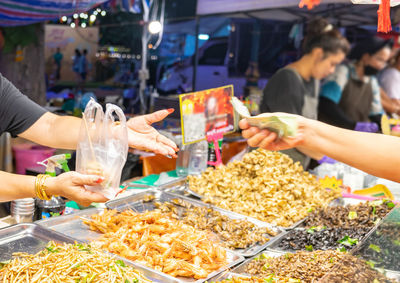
x,y
24,12
208,7
342,11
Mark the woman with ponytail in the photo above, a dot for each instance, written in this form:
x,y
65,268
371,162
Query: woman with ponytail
x,y
295,88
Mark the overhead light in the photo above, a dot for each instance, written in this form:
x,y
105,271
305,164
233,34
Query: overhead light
x,y
72,25
103,13
204,36
95,13
83,25
64,18
155,27
92,18
75,16
82,15
98,10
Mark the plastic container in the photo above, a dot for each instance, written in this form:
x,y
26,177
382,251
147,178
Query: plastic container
x,y
182,162
27,155
22,210
198,158
50,208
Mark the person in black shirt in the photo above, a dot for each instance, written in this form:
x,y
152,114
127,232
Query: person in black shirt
x,y
295,88
21,117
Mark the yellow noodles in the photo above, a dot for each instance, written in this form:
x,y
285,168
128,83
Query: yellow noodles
x,y
69,263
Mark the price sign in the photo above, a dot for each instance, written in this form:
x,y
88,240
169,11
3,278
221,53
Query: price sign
x,y
206,113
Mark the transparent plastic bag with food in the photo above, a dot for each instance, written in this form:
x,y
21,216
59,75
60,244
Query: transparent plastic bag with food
x,y
103,146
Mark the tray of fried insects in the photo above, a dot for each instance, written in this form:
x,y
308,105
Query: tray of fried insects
x,y
25,244
181,187
95,226
243,235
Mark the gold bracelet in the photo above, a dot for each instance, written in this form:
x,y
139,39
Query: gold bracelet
x,y
37,186
37,190
40,187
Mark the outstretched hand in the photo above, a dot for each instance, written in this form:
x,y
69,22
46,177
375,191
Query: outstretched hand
x,y
142,135
263,138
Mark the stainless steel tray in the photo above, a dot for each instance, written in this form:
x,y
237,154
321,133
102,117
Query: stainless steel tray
x,y
136,203
27,237
274,247
241,268
392,274
32,238
181,188
227,275
72,226
345,201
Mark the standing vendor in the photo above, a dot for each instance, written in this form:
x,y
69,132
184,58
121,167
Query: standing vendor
x,y
23,118
352,94
295,88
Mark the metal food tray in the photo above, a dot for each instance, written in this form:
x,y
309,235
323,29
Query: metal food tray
x,y
27,237
32,238
341,202
181,188
227,275
392,274
241,268
274,247
72,226
136,203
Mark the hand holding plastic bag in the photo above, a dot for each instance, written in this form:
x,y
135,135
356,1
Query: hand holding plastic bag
x,y
103,147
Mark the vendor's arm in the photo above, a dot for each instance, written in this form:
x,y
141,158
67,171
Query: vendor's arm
x,y
22,117
69,185
375,154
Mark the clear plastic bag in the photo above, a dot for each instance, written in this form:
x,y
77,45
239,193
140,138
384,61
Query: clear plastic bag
x,y
103,146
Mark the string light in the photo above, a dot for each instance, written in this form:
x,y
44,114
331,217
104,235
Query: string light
x,y
82,19
92,18
155,27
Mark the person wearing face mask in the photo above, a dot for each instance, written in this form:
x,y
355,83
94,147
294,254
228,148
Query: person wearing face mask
x,y
351,97
295,88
